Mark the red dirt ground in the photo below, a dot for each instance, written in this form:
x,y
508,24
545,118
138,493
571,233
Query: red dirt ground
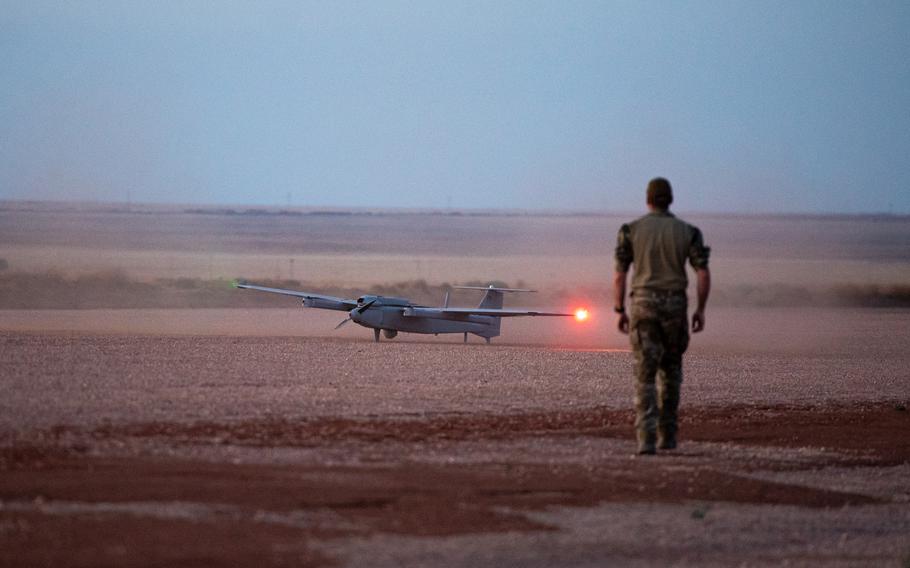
x,y
271,513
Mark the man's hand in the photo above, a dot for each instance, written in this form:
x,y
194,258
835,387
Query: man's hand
x,y
623,323
698,321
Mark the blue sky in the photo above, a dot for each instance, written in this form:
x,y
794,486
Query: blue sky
x,y
745,106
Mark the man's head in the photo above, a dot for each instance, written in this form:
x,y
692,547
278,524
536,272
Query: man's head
x,y
660,194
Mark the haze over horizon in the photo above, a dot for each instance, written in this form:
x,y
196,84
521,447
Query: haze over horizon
x,y
771,107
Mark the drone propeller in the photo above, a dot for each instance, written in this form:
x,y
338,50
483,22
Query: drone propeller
x,y
359,310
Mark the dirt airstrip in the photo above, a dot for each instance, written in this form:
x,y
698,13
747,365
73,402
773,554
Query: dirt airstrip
x,y
148,448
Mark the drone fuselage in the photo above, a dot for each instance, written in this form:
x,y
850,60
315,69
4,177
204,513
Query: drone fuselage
x,y
394,318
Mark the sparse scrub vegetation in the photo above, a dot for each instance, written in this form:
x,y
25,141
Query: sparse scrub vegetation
x,y
116,289
874,296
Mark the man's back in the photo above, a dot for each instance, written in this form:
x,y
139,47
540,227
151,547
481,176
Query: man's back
x,y
658,244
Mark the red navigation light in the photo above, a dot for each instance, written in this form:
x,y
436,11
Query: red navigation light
x,y
581,314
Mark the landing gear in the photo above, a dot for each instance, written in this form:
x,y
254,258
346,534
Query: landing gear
x,y
376,335
466,337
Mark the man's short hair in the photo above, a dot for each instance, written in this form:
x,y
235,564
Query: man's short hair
x,y
660,194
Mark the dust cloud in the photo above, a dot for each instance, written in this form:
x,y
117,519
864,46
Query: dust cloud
x,y
780,283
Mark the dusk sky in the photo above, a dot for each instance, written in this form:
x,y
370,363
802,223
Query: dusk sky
x,y
760,106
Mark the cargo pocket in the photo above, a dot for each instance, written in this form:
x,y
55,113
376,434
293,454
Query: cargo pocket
x,y
677,331
648,338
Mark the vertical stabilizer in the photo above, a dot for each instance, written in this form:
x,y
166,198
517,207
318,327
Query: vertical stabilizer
x,y
492,300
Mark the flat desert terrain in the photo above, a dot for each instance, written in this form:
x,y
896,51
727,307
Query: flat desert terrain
x,y
365,248
254,435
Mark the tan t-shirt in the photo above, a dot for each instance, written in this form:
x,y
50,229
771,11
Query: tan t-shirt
x,y
658,244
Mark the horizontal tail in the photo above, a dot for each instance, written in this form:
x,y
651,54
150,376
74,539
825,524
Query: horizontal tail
x,y
493,288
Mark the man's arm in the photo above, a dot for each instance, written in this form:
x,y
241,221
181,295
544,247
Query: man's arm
x,y
624,258
619,300
703,288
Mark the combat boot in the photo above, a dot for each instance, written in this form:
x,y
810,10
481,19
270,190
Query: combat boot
x,y
646,443
666,441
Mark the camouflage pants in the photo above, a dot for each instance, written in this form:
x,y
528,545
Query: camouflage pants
x,y
659,332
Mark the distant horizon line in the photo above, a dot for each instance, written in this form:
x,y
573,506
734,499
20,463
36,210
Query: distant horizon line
x,y
304,210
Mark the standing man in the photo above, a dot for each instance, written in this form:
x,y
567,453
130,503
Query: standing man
x,y
659,244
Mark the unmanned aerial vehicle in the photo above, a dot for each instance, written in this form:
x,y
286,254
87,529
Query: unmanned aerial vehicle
x,y
388,315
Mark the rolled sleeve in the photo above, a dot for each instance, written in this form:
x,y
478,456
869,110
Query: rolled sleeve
x,y
698,252
623,252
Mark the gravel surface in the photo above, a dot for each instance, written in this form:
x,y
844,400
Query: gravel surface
x,y
662,535
74,377
148,438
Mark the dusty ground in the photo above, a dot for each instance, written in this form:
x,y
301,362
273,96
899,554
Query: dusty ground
x,y
128,444
237,437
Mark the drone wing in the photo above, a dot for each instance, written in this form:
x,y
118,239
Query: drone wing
x,y
445,313
310,300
